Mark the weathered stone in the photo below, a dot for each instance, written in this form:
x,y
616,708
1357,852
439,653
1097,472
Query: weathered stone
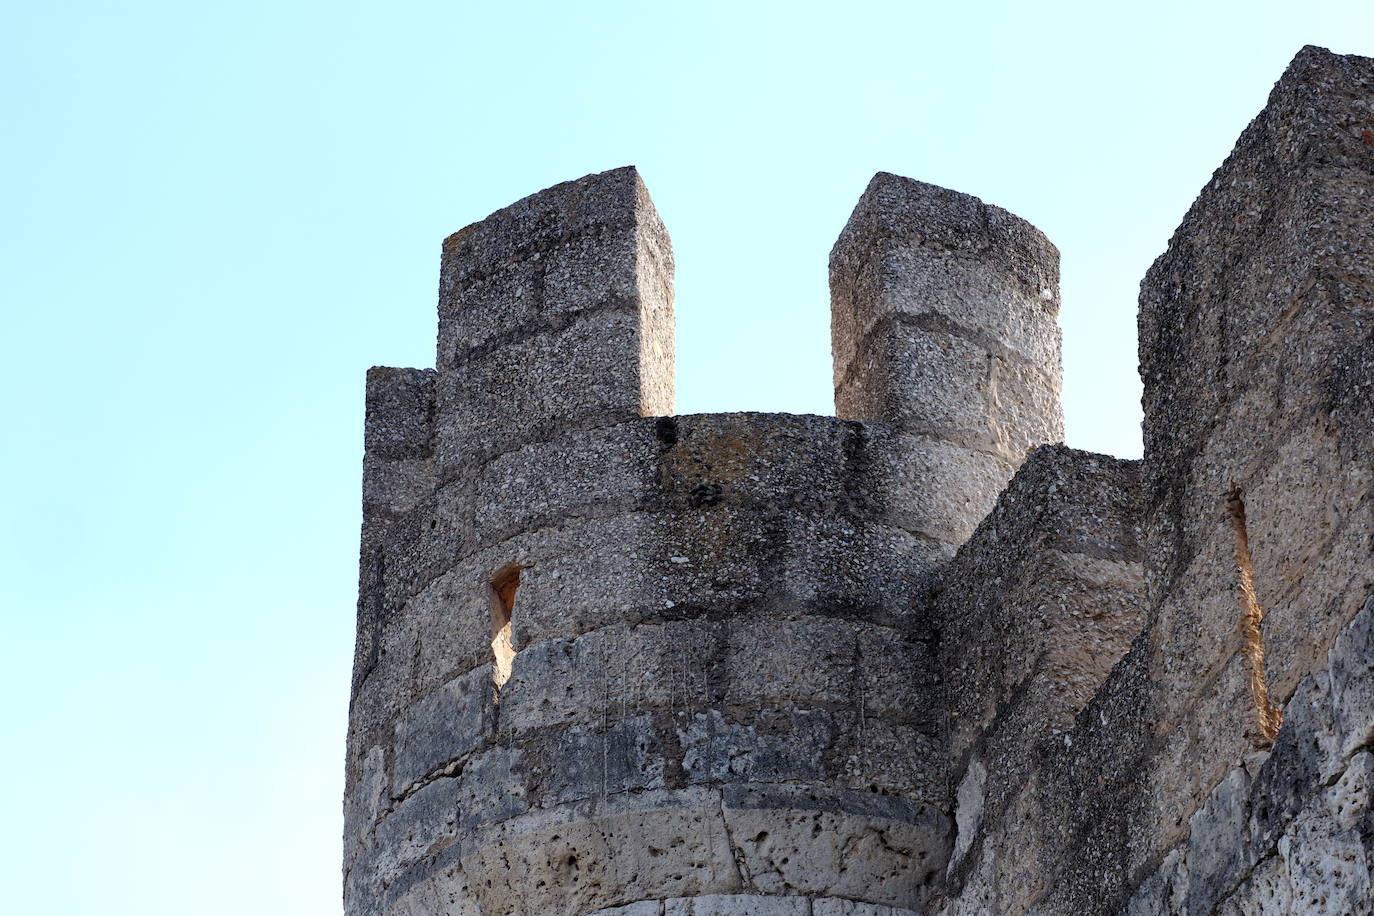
x,y
737,905
943,325
443,726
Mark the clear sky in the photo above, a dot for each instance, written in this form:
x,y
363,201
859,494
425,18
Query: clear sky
x,y
217,216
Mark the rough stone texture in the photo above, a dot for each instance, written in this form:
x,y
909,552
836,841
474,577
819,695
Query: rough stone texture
x,y
1294,831
1039,605
555,313
1255,353
772,665
717,629
1043,600
943,325
1251,328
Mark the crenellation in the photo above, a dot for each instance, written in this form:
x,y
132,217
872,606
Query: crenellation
x,y
555,314
914,658
943,326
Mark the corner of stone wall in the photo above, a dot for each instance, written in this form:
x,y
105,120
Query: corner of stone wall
x,y
555,314
398,474
1038,607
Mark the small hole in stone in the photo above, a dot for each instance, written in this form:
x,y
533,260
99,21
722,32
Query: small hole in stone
x,y
503,587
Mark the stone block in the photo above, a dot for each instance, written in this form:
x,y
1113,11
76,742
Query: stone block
x,y
1043,599
365,800
418,828
770,745
599,760
834,906
899,679
737,905
593,573
443,726
1328,852
445,892
538,388
555,314
762,462
889,757
929,486
795,661
862,571
608,673
937,302
400,414
587,271
795,840
385,691
425,543
949,387
579,858
491,788
614,202
1351,661
454,614
591,474
1216,851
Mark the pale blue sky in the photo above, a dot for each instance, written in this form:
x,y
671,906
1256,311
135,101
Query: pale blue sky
x,y
216,217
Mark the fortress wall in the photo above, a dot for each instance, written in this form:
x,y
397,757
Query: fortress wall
x,y
399,473
737,685
943,326
1251,328
1038,607
1290,831
398,444
1258,363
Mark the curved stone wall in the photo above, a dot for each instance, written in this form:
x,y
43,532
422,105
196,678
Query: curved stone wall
x,y
724,681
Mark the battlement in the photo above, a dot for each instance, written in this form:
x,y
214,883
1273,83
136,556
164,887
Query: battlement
x,y
913,658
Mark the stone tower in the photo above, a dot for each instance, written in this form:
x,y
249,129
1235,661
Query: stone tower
x,y
609,655
616,661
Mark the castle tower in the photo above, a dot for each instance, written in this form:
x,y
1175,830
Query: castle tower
x,y
615,661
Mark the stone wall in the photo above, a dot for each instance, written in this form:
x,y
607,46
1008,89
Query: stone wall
x,y
717,687
1256,334
1290,831
1039,606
